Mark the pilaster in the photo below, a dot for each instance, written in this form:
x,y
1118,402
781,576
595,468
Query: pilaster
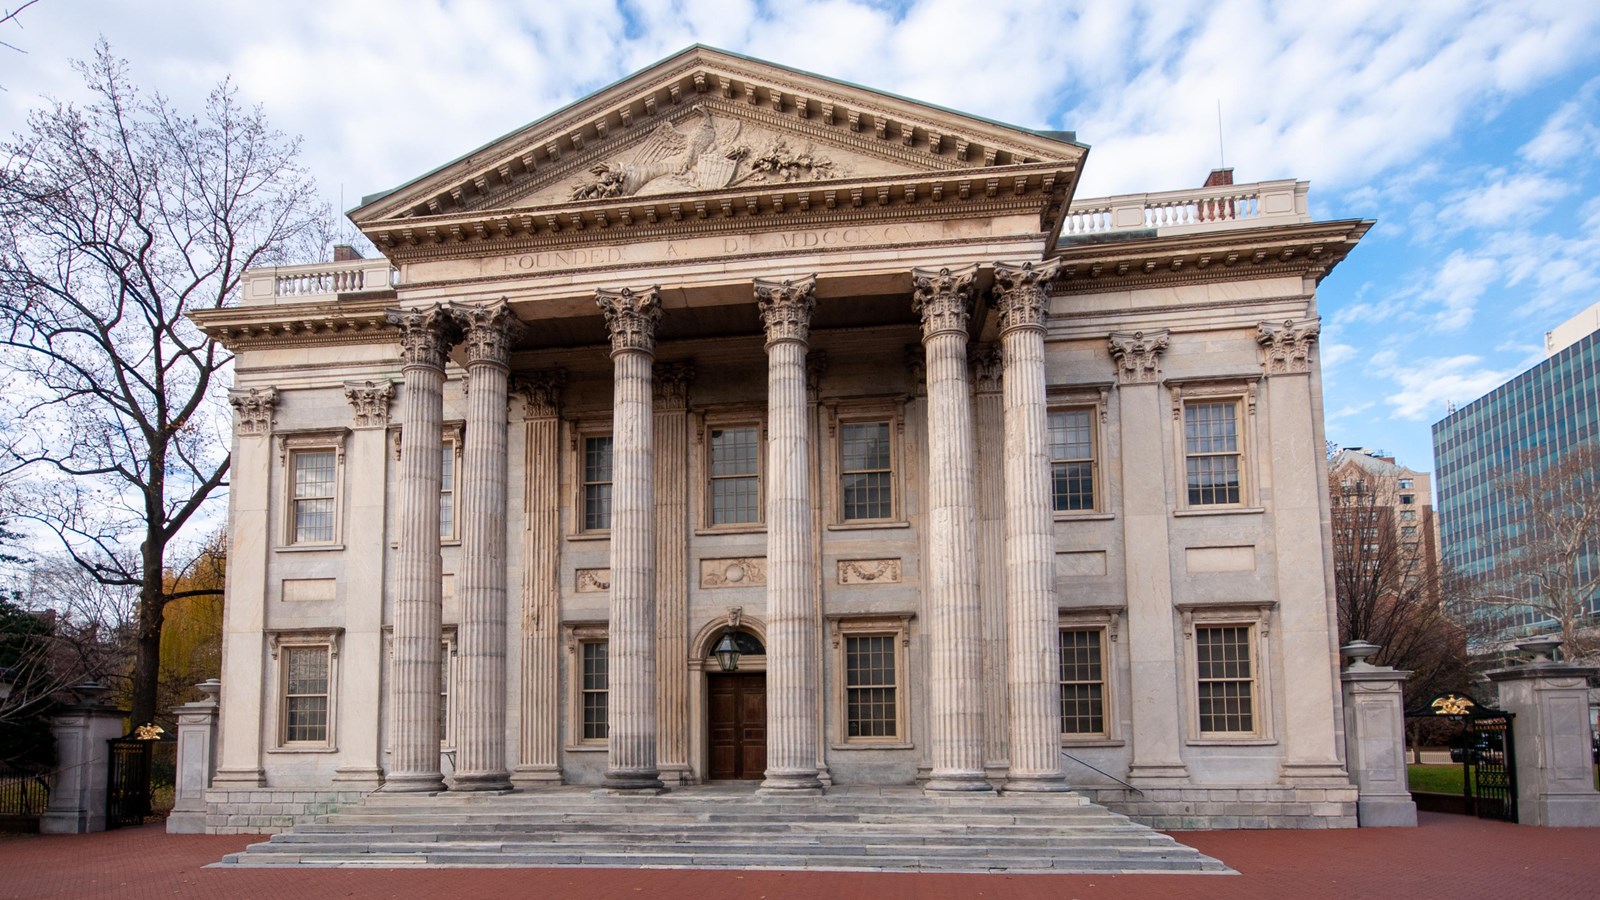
x,y
943,299
792,676
631,319
539,738
988,419
671,429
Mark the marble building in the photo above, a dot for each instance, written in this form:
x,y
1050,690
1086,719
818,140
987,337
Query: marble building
x,y
972,472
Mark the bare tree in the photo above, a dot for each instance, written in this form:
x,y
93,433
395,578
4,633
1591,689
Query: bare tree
x,y
117,219
1547,553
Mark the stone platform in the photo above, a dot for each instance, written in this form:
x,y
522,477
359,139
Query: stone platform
x,y
894,829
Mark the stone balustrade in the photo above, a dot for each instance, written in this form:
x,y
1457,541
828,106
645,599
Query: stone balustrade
x,y
1227,206
281,284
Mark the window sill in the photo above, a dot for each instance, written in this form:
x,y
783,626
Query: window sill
x,y
867,526
317,749
585,748
1241,741
1219,511
590,536
863,745
450,542
1092,742
730,529
309,548
1084,516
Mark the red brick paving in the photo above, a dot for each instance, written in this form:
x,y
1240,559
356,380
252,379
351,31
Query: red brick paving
x,y
1447,857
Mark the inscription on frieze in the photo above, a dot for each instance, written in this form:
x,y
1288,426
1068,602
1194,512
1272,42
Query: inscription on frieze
x,y
703,248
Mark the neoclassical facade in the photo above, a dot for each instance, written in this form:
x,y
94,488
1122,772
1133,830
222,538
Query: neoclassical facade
x,y
990,487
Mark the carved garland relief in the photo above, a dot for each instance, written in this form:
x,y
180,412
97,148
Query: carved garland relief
x,y
742,571
869,571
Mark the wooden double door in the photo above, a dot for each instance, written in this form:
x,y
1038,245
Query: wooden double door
x,y
737,719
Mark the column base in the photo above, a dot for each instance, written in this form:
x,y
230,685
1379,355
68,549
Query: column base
x,y
488,782
1158,772
1323,773
362,776
1036,784
537,777
622,783
186,823
419,783
958,783
239,778
790,784
1386,812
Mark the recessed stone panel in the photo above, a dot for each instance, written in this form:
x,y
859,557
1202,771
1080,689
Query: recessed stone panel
x,y
309,590
1081,563
741,571
593,581
1202,560
869,571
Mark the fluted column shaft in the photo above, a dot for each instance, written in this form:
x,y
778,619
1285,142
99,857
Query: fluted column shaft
x,y
425,338
481,742
539,741
944,300
1032,618
792,691
631,761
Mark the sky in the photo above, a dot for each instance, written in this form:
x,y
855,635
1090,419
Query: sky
x,y
1469,131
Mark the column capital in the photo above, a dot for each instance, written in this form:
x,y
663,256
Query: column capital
x,y
489,330
370,399
786,308
986,362
1138,355
1286,348
943,298
252,409
671,380
426,335
631,317
540,392
1019,293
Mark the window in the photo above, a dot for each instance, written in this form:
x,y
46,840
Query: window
x,y
1072,460
313,469
1226,679
447,491
1212,452
1405,484
305,695
314,480
1409,531
1083,683
866,471
447,680
871,698
735,475
307,673
1408,515
1408,499
597,482
594,689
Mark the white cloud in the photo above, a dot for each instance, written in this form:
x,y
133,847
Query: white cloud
x,y
1570,132
1425,386
1517,198
1454,290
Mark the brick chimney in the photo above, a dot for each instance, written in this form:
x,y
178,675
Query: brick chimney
x,y
347,253
1219,177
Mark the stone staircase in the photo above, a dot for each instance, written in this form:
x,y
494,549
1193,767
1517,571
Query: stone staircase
x,y
721,826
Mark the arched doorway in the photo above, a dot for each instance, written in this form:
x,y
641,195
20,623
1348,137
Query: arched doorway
x,y
736,715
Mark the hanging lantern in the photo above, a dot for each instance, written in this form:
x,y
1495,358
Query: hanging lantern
x,y
727,652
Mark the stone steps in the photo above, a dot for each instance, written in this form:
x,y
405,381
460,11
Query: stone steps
x,y
864,829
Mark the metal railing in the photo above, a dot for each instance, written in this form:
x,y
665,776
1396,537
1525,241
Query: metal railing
x,y
1102,772
25,796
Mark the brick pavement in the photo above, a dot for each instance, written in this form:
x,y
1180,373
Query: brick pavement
x,y
1447,857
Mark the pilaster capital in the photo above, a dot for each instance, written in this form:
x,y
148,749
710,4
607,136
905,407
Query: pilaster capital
x,y
426,335
631,317
1138,355
786,308
917,365
370,400
488,331
252,409
1286,348
671,380
1019,294
987,362
540,392
943,298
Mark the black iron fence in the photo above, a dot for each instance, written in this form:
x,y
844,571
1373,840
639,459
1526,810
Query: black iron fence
x,y
23,799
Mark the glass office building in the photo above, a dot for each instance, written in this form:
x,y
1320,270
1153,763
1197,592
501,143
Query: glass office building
x,y
1552,407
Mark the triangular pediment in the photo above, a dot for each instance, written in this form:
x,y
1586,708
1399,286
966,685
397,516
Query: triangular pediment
x,y
705,121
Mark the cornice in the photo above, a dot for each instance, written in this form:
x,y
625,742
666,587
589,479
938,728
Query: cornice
x,y
1031,189
887,126
1308,250
298,324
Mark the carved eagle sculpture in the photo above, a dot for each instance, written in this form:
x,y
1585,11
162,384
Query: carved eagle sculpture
x,y
670,160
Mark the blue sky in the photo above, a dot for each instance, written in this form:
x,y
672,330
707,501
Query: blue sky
x,y
1469,130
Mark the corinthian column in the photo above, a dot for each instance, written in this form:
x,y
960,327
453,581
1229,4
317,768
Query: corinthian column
x,y
791,615
1033,667
631,761
425,339
481,747
955,626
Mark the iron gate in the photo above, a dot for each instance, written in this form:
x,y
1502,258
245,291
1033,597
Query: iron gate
x,y
128,781
1486,750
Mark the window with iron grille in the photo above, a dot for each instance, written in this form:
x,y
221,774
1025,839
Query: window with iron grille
x,y
871,688
866,464
594,690
315,479
1212,452
597,460
1082,682
1072,460
735,475
1226,679
305,695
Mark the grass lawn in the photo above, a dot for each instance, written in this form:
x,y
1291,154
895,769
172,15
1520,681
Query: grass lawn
x,y
1435,779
